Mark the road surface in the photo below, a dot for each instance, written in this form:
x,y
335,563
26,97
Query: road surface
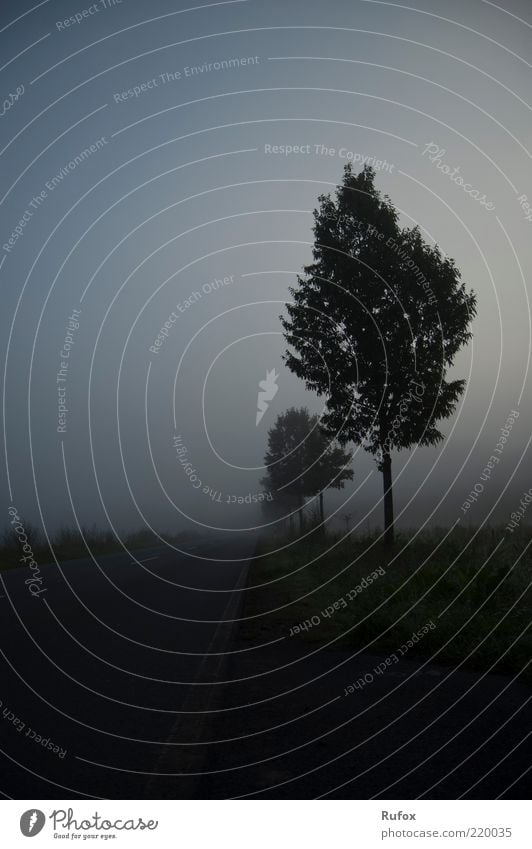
x,y
96,669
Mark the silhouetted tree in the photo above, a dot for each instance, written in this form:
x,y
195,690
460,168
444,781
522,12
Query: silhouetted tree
x,y
376,321
302,461
327,464
280,510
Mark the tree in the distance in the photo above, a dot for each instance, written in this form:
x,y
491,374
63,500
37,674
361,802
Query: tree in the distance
x,y
328,465
285,459
376,321
302,461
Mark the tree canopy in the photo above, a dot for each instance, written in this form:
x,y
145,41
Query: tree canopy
x,y
302,460
376,321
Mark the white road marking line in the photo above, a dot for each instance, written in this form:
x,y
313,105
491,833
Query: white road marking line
x,y
145,559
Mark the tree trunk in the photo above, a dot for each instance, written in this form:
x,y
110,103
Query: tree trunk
x,y
322,513
388,498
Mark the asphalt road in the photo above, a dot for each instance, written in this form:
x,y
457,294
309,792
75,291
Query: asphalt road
x,y
96,669
286,730
112,686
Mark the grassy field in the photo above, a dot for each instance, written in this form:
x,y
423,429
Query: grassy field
x,y
69,544
325,591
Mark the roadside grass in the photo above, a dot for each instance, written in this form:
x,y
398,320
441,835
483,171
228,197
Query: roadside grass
x,y
462,580
70,544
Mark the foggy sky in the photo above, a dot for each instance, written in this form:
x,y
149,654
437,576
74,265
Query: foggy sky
x,y
181,192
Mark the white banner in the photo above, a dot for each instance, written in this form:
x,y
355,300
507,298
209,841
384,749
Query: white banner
x,y
263,824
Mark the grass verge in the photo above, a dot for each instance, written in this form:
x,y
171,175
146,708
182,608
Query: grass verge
x,y
473,585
